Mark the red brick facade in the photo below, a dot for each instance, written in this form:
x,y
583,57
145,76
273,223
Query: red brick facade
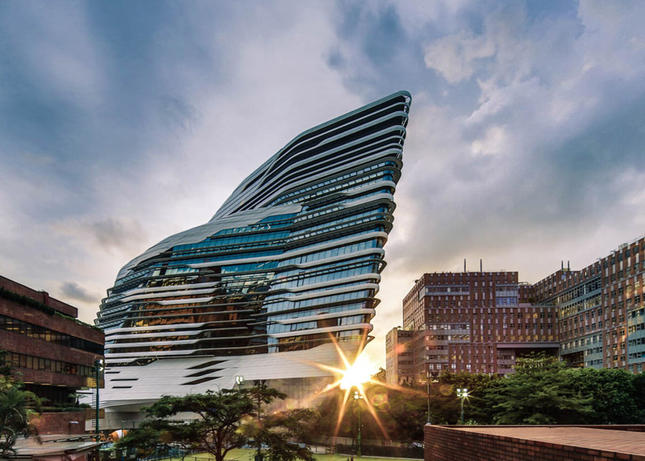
x,y
477,322
51,351
64,422
481,321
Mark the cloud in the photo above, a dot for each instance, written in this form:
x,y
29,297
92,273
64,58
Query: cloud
x,y
123,123
73,290
455,56
117,233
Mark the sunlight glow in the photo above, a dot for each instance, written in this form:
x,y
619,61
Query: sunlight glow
x,y
352,379
359,372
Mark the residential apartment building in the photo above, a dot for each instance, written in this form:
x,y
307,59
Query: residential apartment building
x,y
482,321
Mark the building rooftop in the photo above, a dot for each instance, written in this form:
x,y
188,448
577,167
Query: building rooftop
x,y
41,297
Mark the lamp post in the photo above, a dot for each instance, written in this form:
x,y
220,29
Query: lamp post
x,y
357,397
428,397
462,394
97,376
260,385
429,380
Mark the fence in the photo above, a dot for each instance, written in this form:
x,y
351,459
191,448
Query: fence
x,y
383,449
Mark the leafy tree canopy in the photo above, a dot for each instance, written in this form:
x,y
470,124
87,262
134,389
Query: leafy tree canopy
x,y
16,408
220,421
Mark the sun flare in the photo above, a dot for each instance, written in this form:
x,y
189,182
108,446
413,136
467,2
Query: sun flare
x,y
357,373
353,378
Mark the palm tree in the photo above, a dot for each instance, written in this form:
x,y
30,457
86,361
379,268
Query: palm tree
x,y
15,410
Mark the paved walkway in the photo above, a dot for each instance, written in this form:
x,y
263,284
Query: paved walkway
x,y
46,447
627,442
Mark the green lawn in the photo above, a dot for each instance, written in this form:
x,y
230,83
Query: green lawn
x,y
246,454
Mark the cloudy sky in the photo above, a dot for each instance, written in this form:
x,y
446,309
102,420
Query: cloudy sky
x,y
123,122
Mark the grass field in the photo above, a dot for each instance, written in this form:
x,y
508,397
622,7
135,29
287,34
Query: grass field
x,y
246,454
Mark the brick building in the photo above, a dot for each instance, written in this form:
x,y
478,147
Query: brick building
x,y
481,321
53,352
471,322
601,309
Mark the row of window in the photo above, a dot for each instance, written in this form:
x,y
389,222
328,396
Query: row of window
x,y
319,311
505,301
45,334
322,300
307,279
320,186
323,323
334,226
38,363
210,245
331,252
372,259
581,305
339,221
265,224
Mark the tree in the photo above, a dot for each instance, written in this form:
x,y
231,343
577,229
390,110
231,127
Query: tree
x,y
222,421
279,429
216,428
639,395
612,394
447,407
261,395
404,414
144,440
15,409
539,392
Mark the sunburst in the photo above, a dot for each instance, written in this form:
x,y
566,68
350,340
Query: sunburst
x,y
355,374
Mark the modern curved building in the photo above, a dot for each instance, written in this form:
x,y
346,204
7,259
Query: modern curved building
x,y
289,264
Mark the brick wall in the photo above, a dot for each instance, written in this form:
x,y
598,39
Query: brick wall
x,y
64,422
40,296
451,444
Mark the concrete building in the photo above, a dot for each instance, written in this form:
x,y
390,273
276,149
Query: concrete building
x,y
50,349
399,361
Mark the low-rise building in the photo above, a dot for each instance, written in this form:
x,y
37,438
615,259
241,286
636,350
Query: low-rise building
x,y
399,361
50,350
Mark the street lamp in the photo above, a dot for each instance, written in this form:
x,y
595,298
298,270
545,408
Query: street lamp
x,y
462,394
97,376
428,379
260,385
357,397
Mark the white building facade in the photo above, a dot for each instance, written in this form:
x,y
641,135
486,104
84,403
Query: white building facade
x,y
289,265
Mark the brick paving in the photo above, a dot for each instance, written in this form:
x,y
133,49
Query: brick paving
x,y
598,439
535,443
